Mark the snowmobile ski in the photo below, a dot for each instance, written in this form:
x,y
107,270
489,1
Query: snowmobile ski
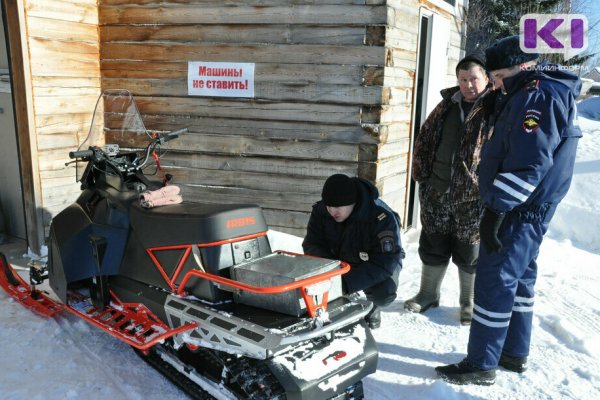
x,y
33,299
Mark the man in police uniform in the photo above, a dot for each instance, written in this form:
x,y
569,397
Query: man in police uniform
x,y
352,224
525,171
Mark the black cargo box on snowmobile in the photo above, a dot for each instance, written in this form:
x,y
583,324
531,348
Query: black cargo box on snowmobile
x,y
164,234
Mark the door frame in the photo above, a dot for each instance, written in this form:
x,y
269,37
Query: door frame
x,y
427,96
13,17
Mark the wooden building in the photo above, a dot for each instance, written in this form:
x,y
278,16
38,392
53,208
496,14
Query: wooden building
x,y
339,86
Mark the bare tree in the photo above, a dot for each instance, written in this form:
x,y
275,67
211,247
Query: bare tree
x,y
488,20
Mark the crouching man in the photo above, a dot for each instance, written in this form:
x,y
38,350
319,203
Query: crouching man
x,y
352,224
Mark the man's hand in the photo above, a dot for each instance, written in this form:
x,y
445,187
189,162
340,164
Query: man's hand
x,y
488,230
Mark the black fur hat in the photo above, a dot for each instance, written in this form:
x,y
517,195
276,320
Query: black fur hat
x,y
506,53
339,190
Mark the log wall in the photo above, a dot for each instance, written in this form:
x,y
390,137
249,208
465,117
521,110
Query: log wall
x,y
318,83
63,47
333,92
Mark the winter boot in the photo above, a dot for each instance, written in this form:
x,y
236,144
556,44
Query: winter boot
x,y
513,364
465,373
467,283
429,293
374,318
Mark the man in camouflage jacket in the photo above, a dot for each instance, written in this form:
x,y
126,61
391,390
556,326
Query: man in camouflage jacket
x,y
445,160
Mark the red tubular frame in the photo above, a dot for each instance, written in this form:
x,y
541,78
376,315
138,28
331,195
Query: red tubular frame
x,y
312,306
134,314
302,284
188,250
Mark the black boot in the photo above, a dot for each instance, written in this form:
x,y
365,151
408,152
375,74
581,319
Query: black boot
x,y
465,373
513,364
374,318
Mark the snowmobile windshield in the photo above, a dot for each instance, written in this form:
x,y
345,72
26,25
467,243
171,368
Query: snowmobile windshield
x,y
116,119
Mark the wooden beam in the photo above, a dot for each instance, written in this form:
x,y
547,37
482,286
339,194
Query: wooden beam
x,y
240,33
278,53
85,11
245,146
272,129
251,109
261,3
242,14
313,93
44,27
289,74
23,122
314,169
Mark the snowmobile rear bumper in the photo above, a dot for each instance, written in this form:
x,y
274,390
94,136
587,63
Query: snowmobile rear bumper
x,y
333,372
228,333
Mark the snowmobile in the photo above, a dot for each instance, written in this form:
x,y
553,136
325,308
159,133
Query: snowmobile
x,y
194,288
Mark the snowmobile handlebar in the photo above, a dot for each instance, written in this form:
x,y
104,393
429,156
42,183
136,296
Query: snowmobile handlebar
x,y
174,135
160,139
81,154
97,153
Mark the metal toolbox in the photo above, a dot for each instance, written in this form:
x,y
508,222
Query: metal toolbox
x,y
278,269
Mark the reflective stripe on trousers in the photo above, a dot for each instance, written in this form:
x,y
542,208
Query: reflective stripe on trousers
x,y
504,294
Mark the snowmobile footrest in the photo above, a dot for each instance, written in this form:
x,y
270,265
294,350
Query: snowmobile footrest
x,y
132,323
18,289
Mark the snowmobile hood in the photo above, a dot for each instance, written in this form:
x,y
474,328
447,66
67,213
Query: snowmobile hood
x,y
546,72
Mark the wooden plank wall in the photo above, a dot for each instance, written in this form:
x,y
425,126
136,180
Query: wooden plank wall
x,y
333,92
318,94
63,45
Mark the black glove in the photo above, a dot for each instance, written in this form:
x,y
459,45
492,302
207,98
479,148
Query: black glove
x,y
488,230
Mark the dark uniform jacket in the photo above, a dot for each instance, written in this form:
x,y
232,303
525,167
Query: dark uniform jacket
x,y
527,165
369,240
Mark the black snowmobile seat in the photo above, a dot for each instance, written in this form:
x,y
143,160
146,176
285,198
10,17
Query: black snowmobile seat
x,y
187,223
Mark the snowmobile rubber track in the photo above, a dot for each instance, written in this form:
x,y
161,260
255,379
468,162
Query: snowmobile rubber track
x,y
192,389
246,379
254,378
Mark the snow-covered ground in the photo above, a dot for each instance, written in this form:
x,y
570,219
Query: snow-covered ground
x,y
66,358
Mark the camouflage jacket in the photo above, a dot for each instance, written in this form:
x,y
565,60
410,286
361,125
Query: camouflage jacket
x,y
463,177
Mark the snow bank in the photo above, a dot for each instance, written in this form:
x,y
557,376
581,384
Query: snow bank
x,y
589,108
578,215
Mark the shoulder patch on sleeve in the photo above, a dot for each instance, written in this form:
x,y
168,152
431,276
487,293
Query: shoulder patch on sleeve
x,y
531,122
381,216
386,240
387,245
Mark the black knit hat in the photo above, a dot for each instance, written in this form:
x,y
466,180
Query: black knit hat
x,y
507,53
477,58
339,190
